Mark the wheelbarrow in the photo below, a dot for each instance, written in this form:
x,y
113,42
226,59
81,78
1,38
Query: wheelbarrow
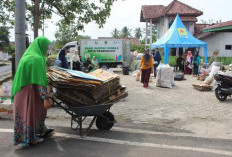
x,y
100,113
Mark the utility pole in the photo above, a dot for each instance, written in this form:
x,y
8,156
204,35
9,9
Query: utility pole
x,y
20,36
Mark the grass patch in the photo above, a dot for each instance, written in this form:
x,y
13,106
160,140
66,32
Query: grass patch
x,y
224,60
171,60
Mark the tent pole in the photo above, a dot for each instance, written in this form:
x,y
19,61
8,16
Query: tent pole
x,y
166,54
206,55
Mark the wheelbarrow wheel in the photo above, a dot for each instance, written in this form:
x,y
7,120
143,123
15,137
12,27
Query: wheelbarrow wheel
x,y
105,121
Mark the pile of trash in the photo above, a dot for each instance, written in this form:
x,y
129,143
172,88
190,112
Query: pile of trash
x,y
206,85
6,107
76,88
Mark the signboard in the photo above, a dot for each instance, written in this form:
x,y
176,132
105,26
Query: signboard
x,y
109,50
182,31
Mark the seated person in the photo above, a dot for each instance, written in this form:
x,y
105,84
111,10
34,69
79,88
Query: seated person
x,y
180,63
88,65
95,62
75,61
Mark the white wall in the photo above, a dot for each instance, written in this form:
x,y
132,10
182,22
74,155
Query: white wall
x,y
162,26
219,41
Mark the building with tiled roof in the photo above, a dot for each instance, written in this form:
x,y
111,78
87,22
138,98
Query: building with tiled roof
x,y
220,27
163,17
218,36
198,31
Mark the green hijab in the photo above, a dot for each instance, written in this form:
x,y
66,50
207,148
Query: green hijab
x,y
32,66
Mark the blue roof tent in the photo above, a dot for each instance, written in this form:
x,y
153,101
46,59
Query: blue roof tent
x,y
178,36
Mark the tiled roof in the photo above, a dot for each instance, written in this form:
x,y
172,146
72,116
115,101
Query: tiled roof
x,y
219,25
151,12
180,8
176,7
198,31
185,18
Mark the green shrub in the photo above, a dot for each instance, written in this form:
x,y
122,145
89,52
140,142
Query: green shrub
x,y
138,48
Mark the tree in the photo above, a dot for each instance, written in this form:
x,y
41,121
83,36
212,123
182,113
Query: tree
x,y
4,38
72,12
138,33
66,34
115,33
125,32
6,12
154,33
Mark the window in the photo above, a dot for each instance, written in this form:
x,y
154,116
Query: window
x,y
228,47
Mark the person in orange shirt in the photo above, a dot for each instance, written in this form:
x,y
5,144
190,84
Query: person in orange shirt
x,y
146,67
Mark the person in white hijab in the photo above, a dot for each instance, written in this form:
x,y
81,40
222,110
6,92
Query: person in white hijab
x,y
95,62
75,61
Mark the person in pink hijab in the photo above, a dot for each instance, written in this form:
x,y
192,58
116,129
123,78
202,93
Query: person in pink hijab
x,y
188,63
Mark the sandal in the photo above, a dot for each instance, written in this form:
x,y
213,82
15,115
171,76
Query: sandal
x,y
40,140
47,132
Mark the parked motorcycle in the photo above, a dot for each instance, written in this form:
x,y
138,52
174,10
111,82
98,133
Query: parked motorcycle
x,y
223,87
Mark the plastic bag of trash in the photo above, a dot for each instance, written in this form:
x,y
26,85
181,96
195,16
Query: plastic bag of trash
x,y
6,89
214,70
138,76
179,76
202,71
135,73
208,80
229,73
165,76
6,109
134,65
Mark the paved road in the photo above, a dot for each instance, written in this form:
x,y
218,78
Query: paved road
x,y
5,70
123,140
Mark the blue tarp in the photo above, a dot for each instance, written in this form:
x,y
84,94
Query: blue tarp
x,y
80,75
178,36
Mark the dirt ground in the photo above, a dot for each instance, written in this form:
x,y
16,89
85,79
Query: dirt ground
x,y
180,107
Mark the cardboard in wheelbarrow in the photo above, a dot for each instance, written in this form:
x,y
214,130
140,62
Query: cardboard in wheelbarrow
x,y
78,92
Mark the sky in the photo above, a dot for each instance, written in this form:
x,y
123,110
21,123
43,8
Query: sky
x,y
127,13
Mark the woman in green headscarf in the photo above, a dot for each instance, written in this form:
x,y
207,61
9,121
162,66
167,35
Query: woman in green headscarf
x,y
29,95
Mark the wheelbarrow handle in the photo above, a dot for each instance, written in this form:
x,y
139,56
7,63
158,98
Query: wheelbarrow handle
x,y
67,109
